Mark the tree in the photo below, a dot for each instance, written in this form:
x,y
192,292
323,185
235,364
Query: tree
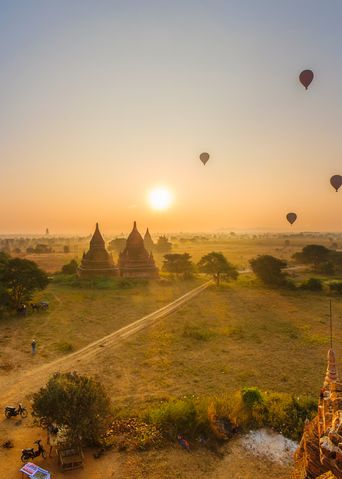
x,y
117,244
216,264
21,278
313,254
269,269
178,263
4,297
163,245
79,403
70,268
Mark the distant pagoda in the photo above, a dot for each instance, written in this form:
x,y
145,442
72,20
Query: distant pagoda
x,y
319,454
148,241
135,261
97,261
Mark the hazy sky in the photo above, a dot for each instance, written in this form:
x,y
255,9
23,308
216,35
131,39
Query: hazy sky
x,y
101,101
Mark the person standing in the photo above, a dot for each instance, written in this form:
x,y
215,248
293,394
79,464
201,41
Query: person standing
x,y
52,438
33,346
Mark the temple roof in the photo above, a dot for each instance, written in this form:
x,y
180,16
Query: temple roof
x,y
147,235
97,240
135,239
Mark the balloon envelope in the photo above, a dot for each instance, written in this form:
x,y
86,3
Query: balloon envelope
x,y
306,78
291,217
204,157
336,182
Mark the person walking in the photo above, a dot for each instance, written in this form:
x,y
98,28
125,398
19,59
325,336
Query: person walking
x,y
33,346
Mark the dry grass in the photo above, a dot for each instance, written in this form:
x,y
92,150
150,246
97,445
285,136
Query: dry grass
x,y
77,317
225,339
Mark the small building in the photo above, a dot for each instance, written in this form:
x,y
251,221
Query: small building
x,y
97,262
135,261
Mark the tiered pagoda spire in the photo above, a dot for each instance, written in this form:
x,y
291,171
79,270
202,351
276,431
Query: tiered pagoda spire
x,y
135,261
319,455
97,261
148,241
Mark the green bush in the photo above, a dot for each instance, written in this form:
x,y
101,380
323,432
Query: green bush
x,y
312,284
251,396
70,268
245,409
173,417
335,287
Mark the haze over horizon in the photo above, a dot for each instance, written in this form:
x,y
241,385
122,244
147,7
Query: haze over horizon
x,y
104,101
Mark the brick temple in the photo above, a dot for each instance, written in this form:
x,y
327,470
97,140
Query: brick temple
x,y
319,455
135,261
148,241
97,262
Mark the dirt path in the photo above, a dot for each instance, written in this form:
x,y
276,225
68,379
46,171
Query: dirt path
x,y
15,389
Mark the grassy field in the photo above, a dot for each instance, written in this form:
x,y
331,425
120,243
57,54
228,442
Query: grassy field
x,y
243,334
78,316
227,338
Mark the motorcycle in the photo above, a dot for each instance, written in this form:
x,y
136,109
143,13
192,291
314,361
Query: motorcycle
x,y
11,411
31,453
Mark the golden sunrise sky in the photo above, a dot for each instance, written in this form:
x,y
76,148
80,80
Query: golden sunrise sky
x,y
103,101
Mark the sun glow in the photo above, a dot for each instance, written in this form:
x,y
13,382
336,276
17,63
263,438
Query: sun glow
x,y
160,198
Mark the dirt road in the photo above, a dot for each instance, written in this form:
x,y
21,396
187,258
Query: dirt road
x,y
14,388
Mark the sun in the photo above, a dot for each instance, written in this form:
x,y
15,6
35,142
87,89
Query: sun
x,y
160,198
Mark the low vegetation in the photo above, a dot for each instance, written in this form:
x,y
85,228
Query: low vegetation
x,y
222,415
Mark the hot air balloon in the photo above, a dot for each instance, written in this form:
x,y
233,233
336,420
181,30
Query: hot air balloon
x,y
291,218
204,157
336,182
306,78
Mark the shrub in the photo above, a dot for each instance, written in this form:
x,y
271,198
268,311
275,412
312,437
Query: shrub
x,y
335,287
326,268
245,409
64,347
173,417
312,284
251,396
195,332
70,268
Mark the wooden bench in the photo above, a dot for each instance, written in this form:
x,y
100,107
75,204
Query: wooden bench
x,y
70,458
